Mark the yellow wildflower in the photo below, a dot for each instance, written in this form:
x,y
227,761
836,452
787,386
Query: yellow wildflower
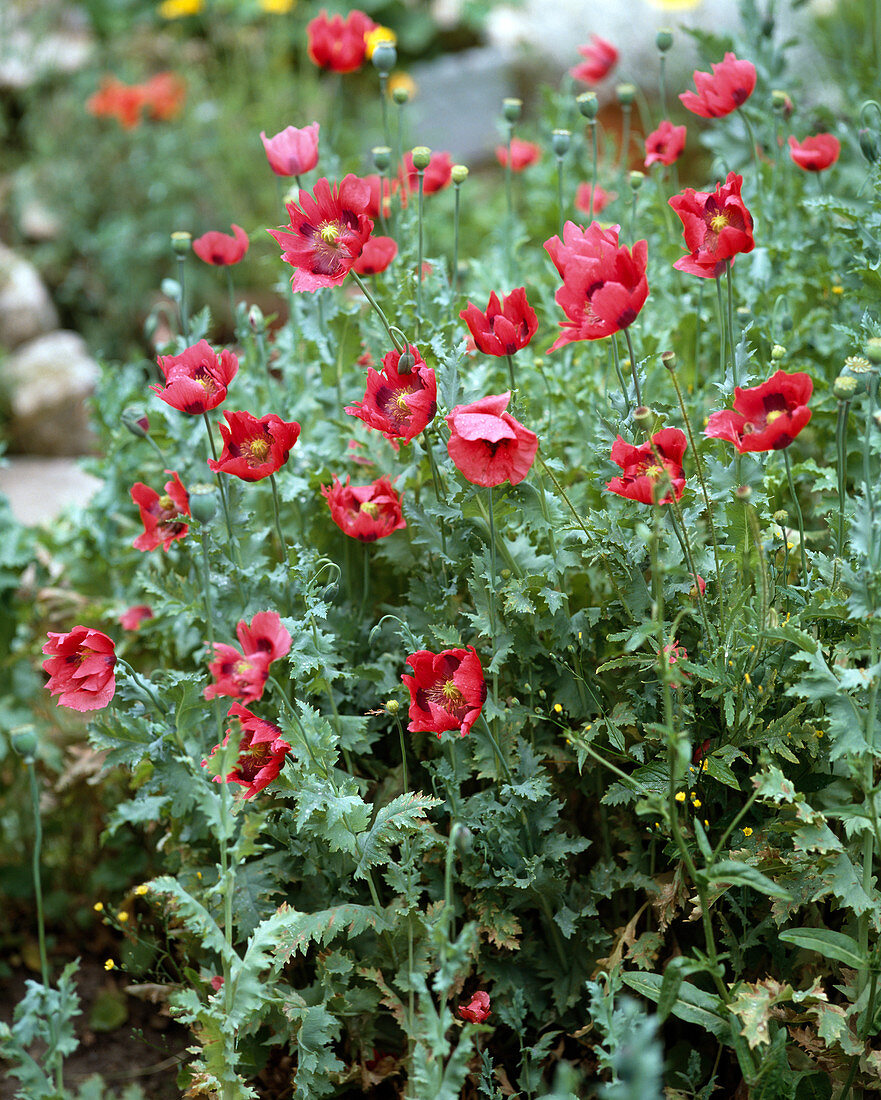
x,y
141,890
377,35
558,708
109,964
747,831
277,7
98,906
122,916
680,796
177,9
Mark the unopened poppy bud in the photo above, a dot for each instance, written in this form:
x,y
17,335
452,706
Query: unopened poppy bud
x,y
421,157
392,706
664,39
384,57
626,94
406,363
512,108
401,95
778,352
643,415
868,145
636,179
873,349
780,516
560,142
588,104
24,742
668,358
459,174
135,419
180,242
786,322
463,839
781,103
743,492
382,157
844,387
256,320
203,502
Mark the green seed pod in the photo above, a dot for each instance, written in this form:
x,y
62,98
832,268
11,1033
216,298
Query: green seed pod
x,y
589,105
392,706
626,94
421,157
636,179
512,108
180,242
643,415
382,157
459,174
873,349
560,142
844,387
664,40
668,358
384,57
203,502
24,741
778,352
743,492
401,95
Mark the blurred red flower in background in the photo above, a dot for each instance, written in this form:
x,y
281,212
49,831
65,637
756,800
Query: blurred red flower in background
x,y
599,56
665,145
730,85
291,152
523,153
815,154
339,44
222,249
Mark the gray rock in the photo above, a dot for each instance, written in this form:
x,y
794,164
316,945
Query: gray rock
x,y
26,310
47,382
40,39
40,489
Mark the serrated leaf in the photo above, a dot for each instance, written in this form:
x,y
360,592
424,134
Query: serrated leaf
x,y
295,931
393,821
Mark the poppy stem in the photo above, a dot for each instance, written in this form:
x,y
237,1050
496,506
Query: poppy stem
x,y
510,361
455,272
184,308
613,348
234,549
633,370
592,123
142,685
662,82
283,548
626,108
420,208
232,298
509,205
38,885
400,346
491,591
800,518
682,535
292,301
841,454
560,206
383,99
731,349
506,771
755,151
722,326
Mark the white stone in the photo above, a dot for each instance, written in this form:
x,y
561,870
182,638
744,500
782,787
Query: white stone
x,y
26,310
40,489
47,382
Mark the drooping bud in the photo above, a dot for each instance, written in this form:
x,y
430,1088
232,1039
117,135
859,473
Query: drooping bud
x,y
626,94
463,839
560,142
421,157
180,242
512,108
589,105
382,157
406,363
459,174
256,320
664,39
135,419
868,145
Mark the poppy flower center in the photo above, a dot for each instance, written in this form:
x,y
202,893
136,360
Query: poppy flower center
x,y
451,694
369,507
718,222
167,504
329,232
654,472
773,415
258,449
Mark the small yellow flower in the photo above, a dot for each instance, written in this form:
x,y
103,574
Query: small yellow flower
x,y
109,964
680,796
277,7
838,290
402,80
141,890
177,9
98,906
122,916
746,677
558,708
696,802
706,823
377,35
588,727
198,874
747,831
818,733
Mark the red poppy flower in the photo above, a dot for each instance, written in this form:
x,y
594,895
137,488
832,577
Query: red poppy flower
x,y
244,675
365,512
398,405
435,177
221,249
291,152
261,751
381,189
601,198
664,145
254,448
502,329
642,468
338,44
815,154
604,284
731,84
523,153
327,233
766,417
487,444
114,99
675,653
196,380
375,256
241,676
162,516
477,1010
599,56
134,616
699,586
716,225
80,666
164,95
447,690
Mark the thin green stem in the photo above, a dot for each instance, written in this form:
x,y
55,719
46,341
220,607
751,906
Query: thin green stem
x,y
35,863
617,360
754,148
593,168
731,321
722,327
800,518
231,290
400,345
184,309
503,765
509,359
455,272
383,99
490,592
142,685
234,549
841,459
276,508
560,206
626,110
662,82
684,541
420,210
633,369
